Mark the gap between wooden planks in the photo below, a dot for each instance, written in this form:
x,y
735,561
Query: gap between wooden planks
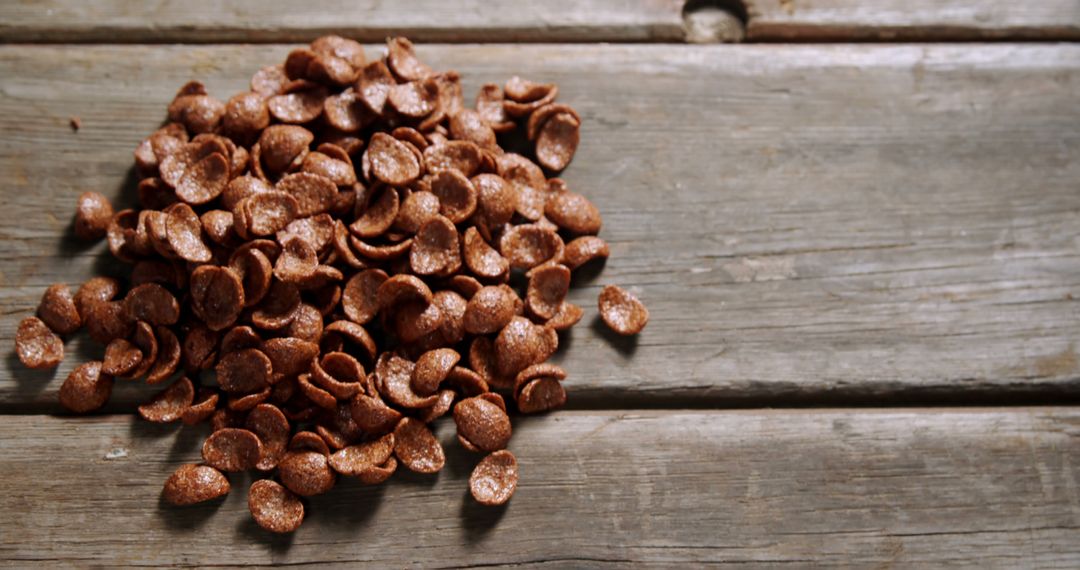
x,y
132,21
808,224
981,488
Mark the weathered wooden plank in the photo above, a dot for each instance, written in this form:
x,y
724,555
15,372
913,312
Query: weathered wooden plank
x,y
978,488
912,20
810,223
113,21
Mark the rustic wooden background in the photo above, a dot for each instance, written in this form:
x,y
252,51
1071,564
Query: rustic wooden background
x,y
862,261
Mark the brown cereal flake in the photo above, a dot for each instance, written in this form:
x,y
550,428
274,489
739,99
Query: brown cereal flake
x,y
58,310
489,310
583,250
169,404
417,209
379,213
574,213
482,259
414,99
278,307
337,170
306,473
289,356
92,216
307,324
184,234
145,340
217,296
202,408
622,311
338,373
482,423
283,147
548,286
436,249
105,321
245,402
394,379
315,394
541,395
204,180
372,415
416,447
354,460
489,104
558,141
272,428
274,507
308,441
373,85
402,60
391,160
96,290
256,273
463,156
121,358
567,316
402,288
246,115
355,333
360,299
232,449
244,371
457,197
297,261
191,484
347,112
301,103
521,344
528,245
439,408
86,389
494,479
218,226
432,368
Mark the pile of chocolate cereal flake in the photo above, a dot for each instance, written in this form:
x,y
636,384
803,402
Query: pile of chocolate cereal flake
x,y
330,244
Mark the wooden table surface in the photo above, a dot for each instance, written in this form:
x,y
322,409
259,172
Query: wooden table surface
x,y
862,261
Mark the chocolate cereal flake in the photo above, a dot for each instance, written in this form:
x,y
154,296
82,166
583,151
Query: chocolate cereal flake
x,y
274,507
494,479
36,345
86,389
191,484
232,449
416,447
622,311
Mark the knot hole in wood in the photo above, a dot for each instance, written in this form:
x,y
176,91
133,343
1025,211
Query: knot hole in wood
x,y
714,21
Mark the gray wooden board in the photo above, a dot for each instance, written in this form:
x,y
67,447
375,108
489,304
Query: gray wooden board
x,y
970,488
856,223
912,20
521,20
367,20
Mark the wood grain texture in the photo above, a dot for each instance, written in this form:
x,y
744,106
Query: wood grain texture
x,y
974,488
131,21
114,21
912,20
867,224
